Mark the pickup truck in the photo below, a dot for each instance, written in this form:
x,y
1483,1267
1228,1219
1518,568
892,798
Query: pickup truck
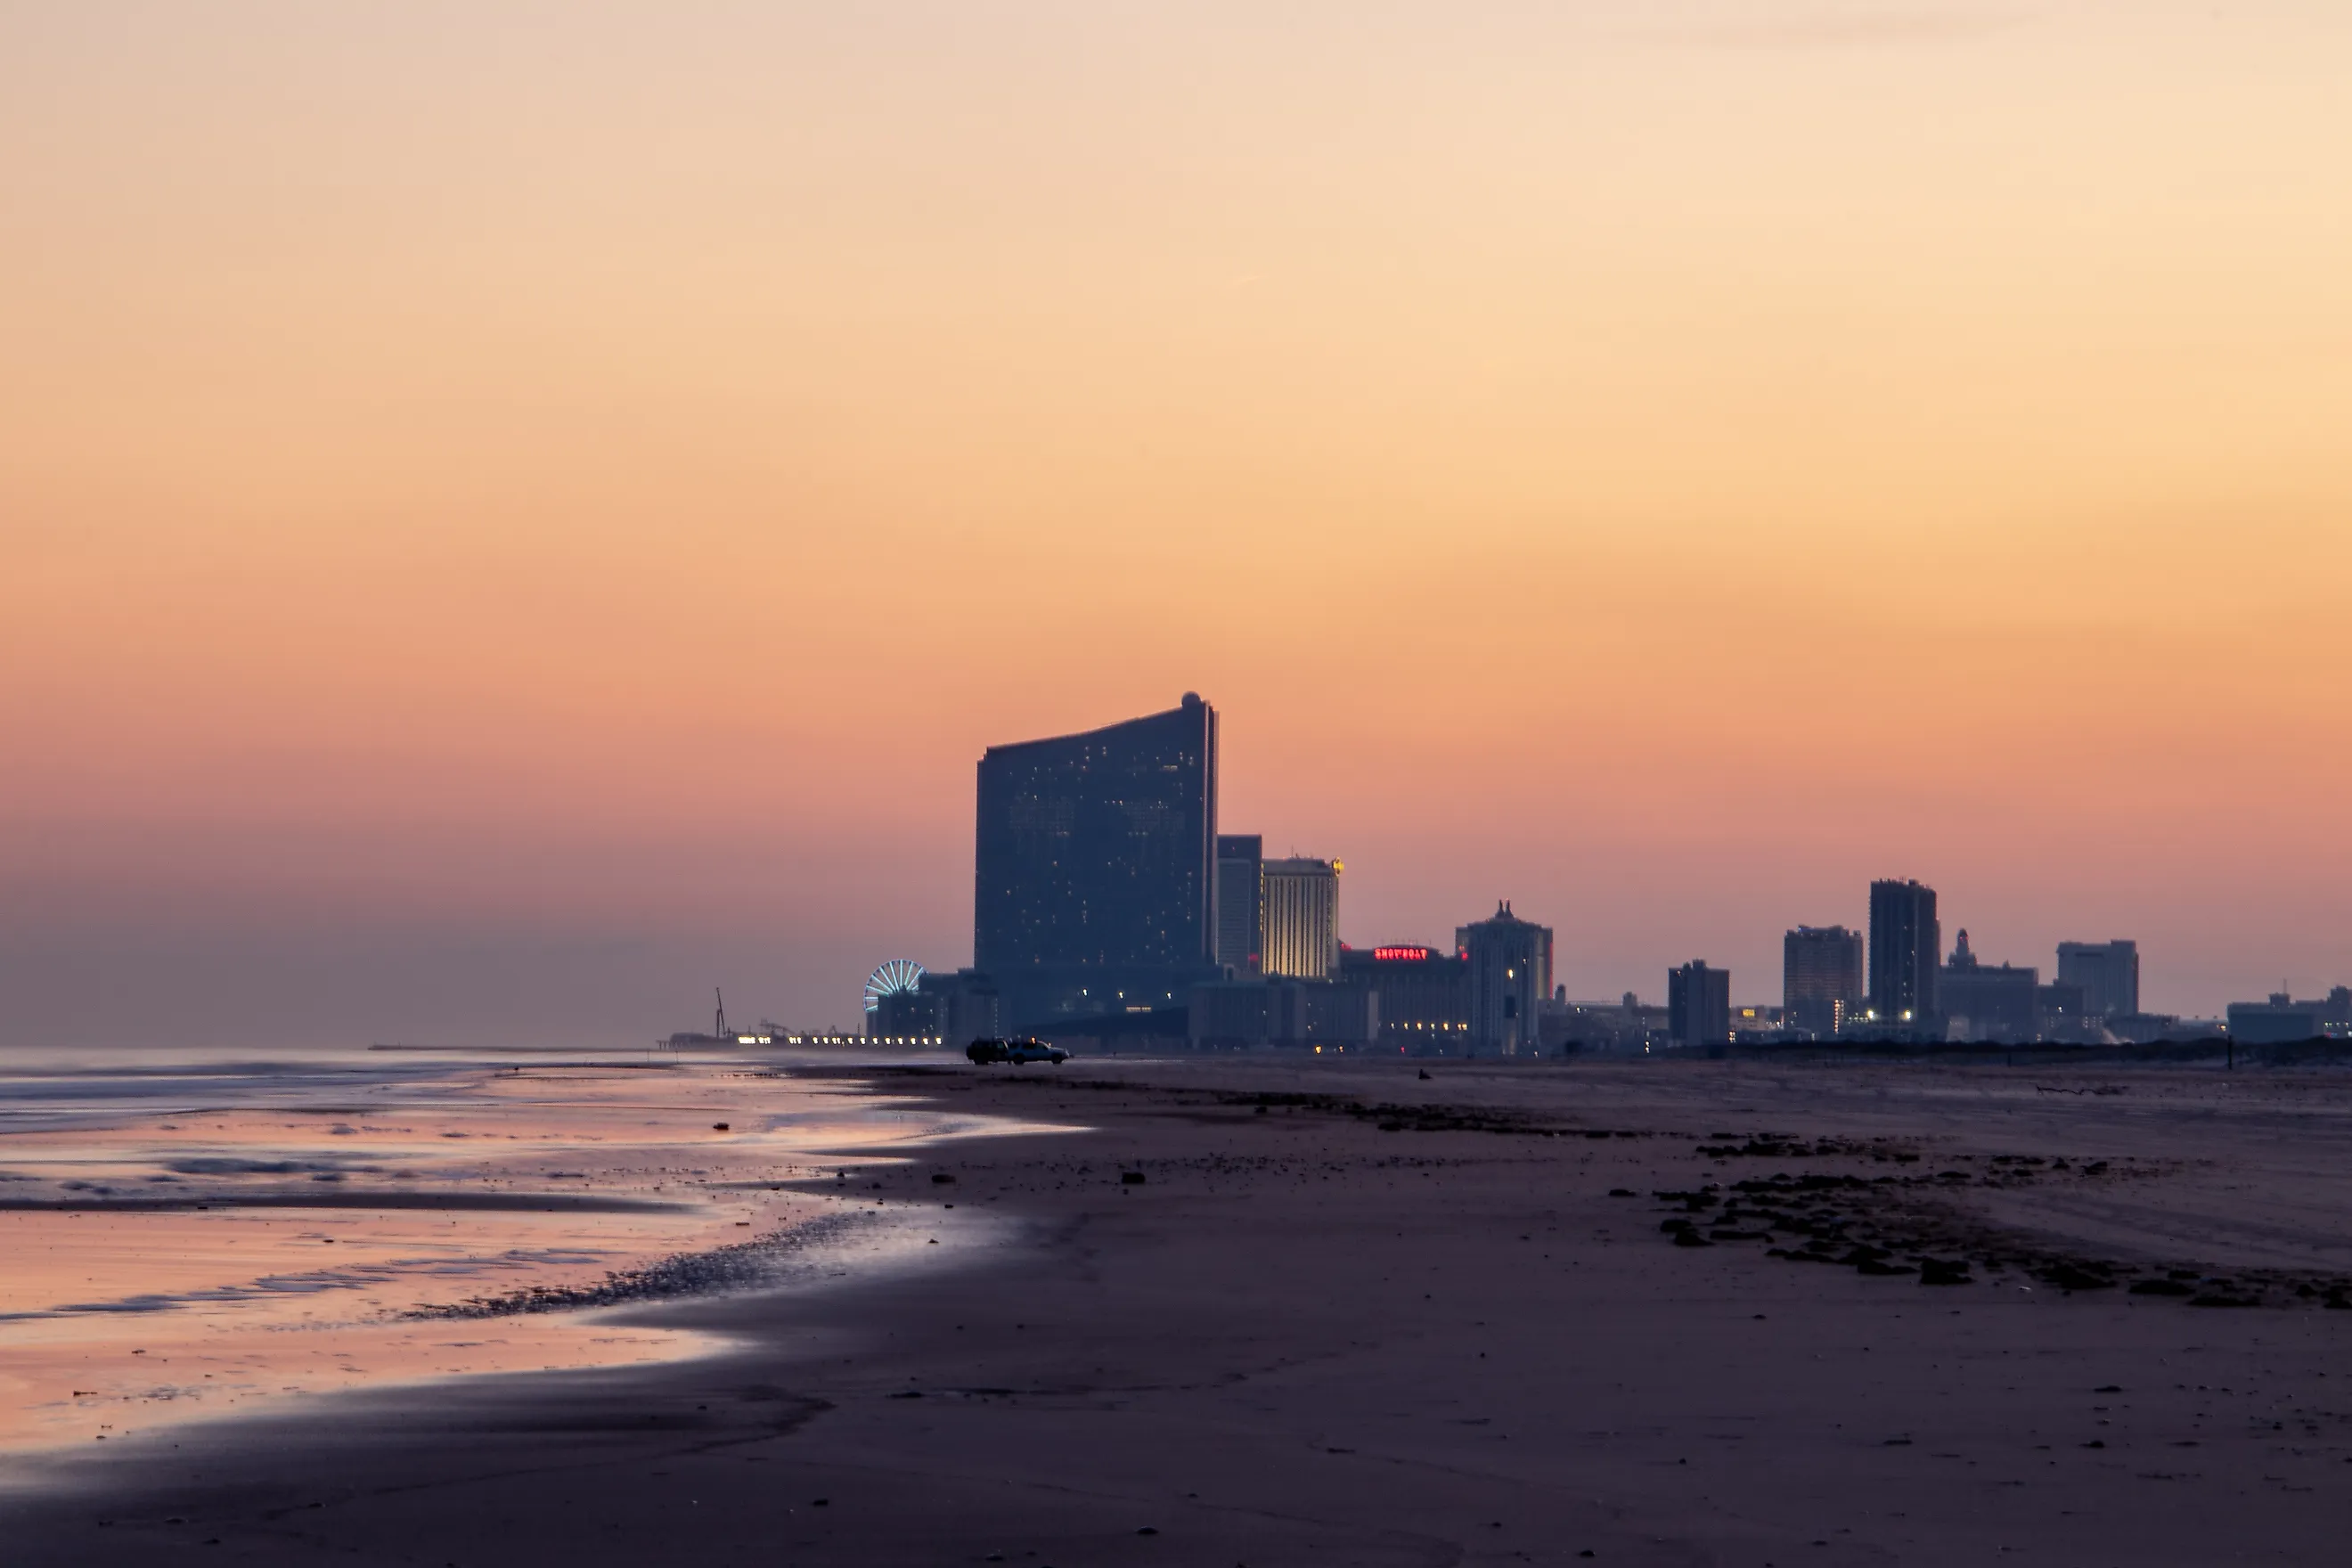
x,y
1017,1052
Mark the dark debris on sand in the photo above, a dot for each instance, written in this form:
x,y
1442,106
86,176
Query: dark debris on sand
x,y
1908,1227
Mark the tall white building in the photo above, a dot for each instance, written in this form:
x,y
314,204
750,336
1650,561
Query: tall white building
x,y
1299,918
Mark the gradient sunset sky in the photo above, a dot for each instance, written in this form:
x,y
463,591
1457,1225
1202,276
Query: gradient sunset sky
x,y
512,514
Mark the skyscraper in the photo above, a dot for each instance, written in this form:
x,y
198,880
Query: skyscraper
x,y
1510,972
2108,972
1905,941
1096,867
1820,978
1698,1004
1240,915
1300,924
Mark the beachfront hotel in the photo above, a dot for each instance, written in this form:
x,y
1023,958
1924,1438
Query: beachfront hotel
x,y
1095,872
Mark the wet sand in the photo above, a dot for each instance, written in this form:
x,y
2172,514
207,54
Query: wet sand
x,y
1352,1316
183,1240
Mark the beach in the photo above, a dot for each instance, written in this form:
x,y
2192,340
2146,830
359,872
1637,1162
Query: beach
x,y
1265,1309
187,1235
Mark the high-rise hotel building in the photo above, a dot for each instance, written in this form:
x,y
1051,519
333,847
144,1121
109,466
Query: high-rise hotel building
x,y
2108,972
1820,978
1906,952
1698,1004
1510,975
1299,901
1094,887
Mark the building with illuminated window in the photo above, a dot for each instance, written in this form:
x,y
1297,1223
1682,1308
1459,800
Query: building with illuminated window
x,y
1095,873
957,1009
2281,1021
1425,993
1698,1004
2060,1014
1821,979
1299,925
1509,961
1627,1025
1905,944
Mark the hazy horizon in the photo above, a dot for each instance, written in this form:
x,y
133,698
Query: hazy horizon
x,y
516,513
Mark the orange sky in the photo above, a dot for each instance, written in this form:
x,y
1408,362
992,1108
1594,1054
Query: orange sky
x,y
510,512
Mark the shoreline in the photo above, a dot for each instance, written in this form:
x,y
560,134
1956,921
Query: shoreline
x,y
1417,1330
170,1265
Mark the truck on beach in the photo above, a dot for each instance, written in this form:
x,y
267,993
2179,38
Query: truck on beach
x,y
1018,1052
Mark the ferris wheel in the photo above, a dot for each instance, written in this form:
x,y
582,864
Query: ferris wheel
x,y
898,974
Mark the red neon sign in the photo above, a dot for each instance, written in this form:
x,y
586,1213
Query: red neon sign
x,y
1399,954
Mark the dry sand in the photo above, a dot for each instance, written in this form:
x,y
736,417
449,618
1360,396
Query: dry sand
x,y
1328,1333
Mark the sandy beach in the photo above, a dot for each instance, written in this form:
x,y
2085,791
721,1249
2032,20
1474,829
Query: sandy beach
x,y
1272,1311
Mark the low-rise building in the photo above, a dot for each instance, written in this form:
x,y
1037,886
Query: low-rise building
x,y
2280,1021
2060,1014
1625,1026
1992,1003
1280,1012
1425,993
955,1008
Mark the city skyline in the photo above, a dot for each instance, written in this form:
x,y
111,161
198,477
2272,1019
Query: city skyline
x,y
1754,964
1174,782
1104,890
1587,977
489,573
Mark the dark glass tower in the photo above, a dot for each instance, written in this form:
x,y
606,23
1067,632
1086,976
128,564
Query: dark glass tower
x,y
1906,950
1096,884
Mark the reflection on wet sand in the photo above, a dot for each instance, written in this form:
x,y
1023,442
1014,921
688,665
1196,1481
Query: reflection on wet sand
x,y
190,1243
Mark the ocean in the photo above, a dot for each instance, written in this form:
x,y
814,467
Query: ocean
x,y
193,1235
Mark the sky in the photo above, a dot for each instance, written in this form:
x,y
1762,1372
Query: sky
x,y
514,513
